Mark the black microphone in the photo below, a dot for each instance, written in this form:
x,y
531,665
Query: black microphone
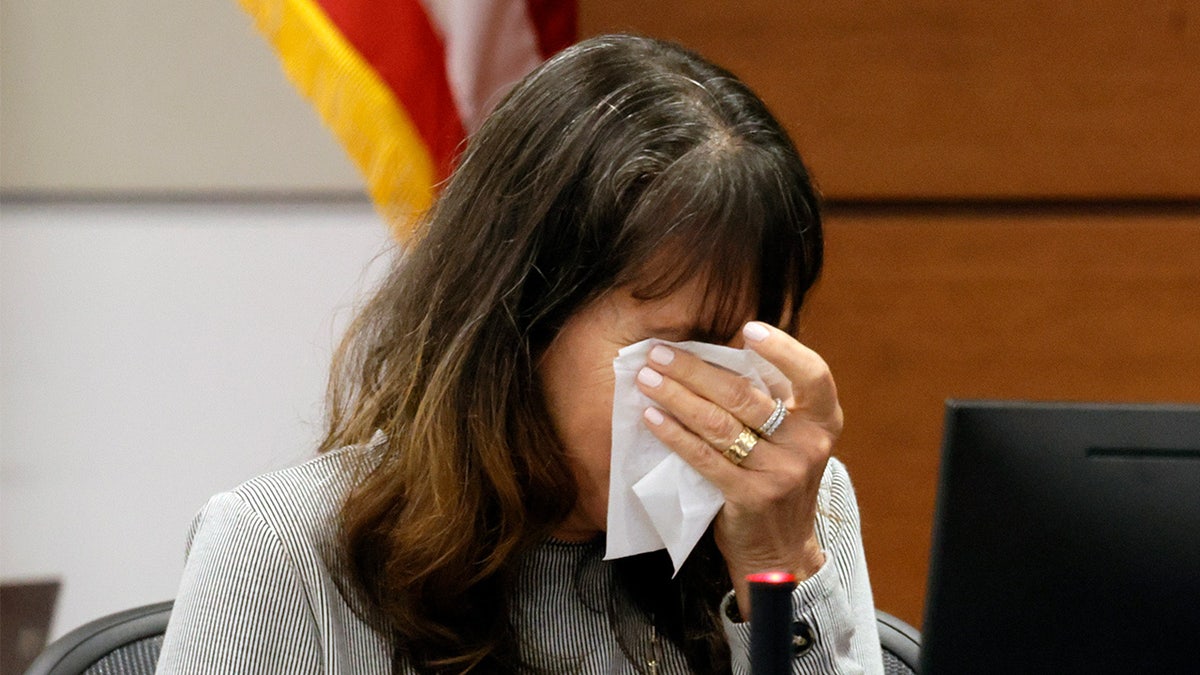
x,y
771,622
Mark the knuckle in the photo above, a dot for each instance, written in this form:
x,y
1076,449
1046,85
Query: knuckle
x,y
705,459
820,376
837,421
794,474
715,424
825,377
823,446
816,445
740,394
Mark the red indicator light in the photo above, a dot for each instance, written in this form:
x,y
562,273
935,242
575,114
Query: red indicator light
x,y
775,577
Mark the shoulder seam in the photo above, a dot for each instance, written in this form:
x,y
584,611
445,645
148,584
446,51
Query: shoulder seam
x,y
281,543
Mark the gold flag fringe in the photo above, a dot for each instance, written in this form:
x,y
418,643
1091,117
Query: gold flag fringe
x,y
355,103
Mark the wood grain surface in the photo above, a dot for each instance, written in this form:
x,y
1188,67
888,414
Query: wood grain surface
x,y
953,99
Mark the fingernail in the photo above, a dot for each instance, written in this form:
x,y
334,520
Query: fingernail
x,y
653,416
661,354
755,331
649,377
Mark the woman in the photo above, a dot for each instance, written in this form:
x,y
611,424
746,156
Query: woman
x,y
625,190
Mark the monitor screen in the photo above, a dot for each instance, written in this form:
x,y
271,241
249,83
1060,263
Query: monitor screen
x,y
1066,540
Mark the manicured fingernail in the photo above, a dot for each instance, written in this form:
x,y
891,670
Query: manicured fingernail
x,y
661,354
653,416
755,331
649,378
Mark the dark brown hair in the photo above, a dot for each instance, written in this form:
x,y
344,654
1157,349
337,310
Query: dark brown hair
x,y
616,149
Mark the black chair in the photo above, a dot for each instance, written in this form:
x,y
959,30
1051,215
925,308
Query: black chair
x,y
901,644
125,643
128,643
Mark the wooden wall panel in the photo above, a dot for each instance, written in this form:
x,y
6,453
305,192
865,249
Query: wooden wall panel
x,y
933,99
918,307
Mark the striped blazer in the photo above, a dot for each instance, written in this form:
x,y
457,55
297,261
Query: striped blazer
x,y
265,590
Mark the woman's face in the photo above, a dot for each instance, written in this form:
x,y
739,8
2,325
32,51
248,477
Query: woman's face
x,y
577,378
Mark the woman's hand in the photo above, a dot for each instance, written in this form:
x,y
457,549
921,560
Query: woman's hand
x,y
769,516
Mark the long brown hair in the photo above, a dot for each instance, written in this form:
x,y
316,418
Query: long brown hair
x,y
613,150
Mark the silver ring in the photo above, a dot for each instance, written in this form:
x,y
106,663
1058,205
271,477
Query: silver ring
x,y
774,420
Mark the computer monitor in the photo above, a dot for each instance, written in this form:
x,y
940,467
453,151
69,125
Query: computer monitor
x,y
1066,540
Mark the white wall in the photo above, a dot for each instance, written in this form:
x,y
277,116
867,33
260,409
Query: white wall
x,y
161,96
152,354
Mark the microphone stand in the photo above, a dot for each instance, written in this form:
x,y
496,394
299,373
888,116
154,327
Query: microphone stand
x,y
771,622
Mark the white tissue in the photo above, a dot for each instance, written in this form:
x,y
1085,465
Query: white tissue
x,y
655,499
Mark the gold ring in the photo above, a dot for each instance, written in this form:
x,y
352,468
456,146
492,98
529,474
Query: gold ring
x,y
742,446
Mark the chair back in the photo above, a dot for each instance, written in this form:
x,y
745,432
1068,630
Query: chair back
x,y
128,643
901,644
125,643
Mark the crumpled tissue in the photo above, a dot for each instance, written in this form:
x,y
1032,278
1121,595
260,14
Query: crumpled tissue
x,y
656,500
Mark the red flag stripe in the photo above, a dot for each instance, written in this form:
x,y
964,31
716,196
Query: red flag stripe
x,y
396,38
554,22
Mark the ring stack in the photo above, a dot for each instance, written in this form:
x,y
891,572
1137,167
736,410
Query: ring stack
x,y
741,447
774,420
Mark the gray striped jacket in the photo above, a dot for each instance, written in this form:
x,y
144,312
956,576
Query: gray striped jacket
x,y
264,591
